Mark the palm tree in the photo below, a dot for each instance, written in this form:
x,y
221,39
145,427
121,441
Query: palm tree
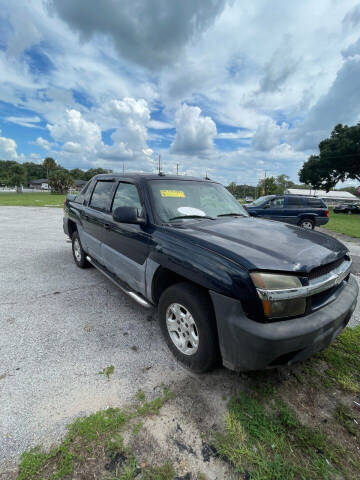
x,y
50,164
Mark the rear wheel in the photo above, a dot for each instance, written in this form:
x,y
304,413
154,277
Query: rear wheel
x,y
188,326
78,252
307,223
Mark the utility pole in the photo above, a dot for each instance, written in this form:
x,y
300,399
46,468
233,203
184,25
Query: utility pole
x,y
159,163
123,168
265,183
177,169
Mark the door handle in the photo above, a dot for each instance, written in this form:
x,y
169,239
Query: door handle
x,y
107,226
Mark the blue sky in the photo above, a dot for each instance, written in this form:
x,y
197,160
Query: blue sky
x,y
232,89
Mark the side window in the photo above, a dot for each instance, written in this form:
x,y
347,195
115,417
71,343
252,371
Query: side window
x,y
127,195
102,194
277,202
81,196
294,202
314,203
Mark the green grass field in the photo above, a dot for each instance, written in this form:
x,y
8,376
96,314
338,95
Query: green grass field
x,y
41,199
343,223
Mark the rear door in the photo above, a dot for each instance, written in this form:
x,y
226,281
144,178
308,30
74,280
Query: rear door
x,y
316,207
126,246
95,217
294,207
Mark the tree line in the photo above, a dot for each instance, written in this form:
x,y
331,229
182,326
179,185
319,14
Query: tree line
x,y
60,179
266,186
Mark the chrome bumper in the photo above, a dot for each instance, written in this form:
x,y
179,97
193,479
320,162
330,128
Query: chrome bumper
x,y
320,284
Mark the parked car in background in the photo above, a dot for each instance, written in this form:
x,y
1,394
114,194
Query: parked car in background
x,y
227,287
307,212
344,208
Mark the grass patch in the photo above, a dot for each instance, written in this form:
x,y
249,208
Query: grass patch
x,y
266,441
96,437
343,360
345,417
343,223
263,437
107,371
165,472
41,199
152,407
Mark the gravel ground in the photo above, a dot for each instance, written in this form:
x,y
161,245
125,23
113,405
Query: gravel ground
x,y
61,325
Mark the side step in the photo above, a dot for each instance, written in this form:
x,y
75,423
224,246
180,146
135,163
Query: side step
x,y
135,296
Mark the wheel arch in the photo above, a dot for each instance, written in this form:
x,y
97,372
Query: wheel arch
x,y
311,216
164,278
72,227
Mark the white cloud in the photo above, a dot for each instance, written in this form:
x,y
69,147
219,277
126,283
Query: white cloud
x,y
158,125
8,148
43,143
273,76
194,132
29,121
238,135
72,147
268,135
72,127
148,33
24,33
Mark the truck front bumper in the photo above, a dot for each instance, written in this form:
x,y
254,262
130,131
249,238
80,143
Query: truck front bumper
x,y
249,345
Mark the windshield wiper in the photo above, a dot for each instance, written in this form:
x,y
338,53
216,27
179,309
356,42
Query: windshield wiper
x,y
231,215
190,216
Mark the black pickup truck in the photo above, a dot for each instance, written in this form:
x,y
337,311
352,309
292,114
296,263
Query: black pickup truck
x,y
228,287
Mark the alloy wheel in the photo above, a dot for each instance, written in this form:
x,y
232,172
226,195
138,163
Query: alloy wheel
x,y
182,329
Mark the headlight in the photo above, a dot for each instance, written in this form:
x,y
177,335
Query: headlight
x,y
265,283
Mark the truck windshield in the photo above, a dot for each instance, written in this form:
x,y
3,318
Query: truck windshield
x,y
179,200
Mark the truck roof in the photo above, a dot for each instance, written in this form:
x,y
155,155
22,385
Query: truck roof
x,y
151,176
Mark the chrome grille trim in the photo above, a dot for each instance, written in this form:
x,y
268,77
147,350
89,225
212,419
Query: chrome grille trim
x,y
316,285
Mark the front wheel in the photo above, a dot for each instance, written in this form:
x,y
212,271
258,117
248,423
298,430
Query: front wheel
x,y
307,223
188,325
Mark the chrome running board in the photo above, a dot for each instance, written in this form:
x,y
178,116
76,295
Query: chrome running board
x,y
135,296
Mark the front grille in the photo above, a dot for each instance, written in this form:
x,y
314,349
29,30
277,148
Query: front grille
x,y
325,269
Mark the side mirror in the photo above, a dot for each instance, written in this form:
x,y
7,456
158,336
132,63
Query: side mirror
x,y
266,206
127,215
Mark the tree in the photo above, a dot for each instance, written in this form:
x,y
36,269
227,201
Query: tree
x,y
94,171
268,186
353,190
60,181
49,164
34,170
77,174
339,159
232,187
17,176
283,182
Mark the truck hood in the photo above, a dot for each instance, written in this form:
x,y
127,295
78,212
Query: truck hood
x,y
265,244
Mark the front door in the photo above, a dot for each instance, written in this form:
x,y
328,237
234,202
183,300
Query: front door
x,y
95,217
125,247
274,210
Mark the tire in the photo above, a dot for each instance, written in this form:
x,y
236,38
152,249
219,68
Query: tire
x,y
307,223
187,308
78,252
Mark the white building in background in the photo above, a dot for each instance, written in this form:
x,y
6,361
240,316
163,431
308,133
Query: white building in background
x,y
331,198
